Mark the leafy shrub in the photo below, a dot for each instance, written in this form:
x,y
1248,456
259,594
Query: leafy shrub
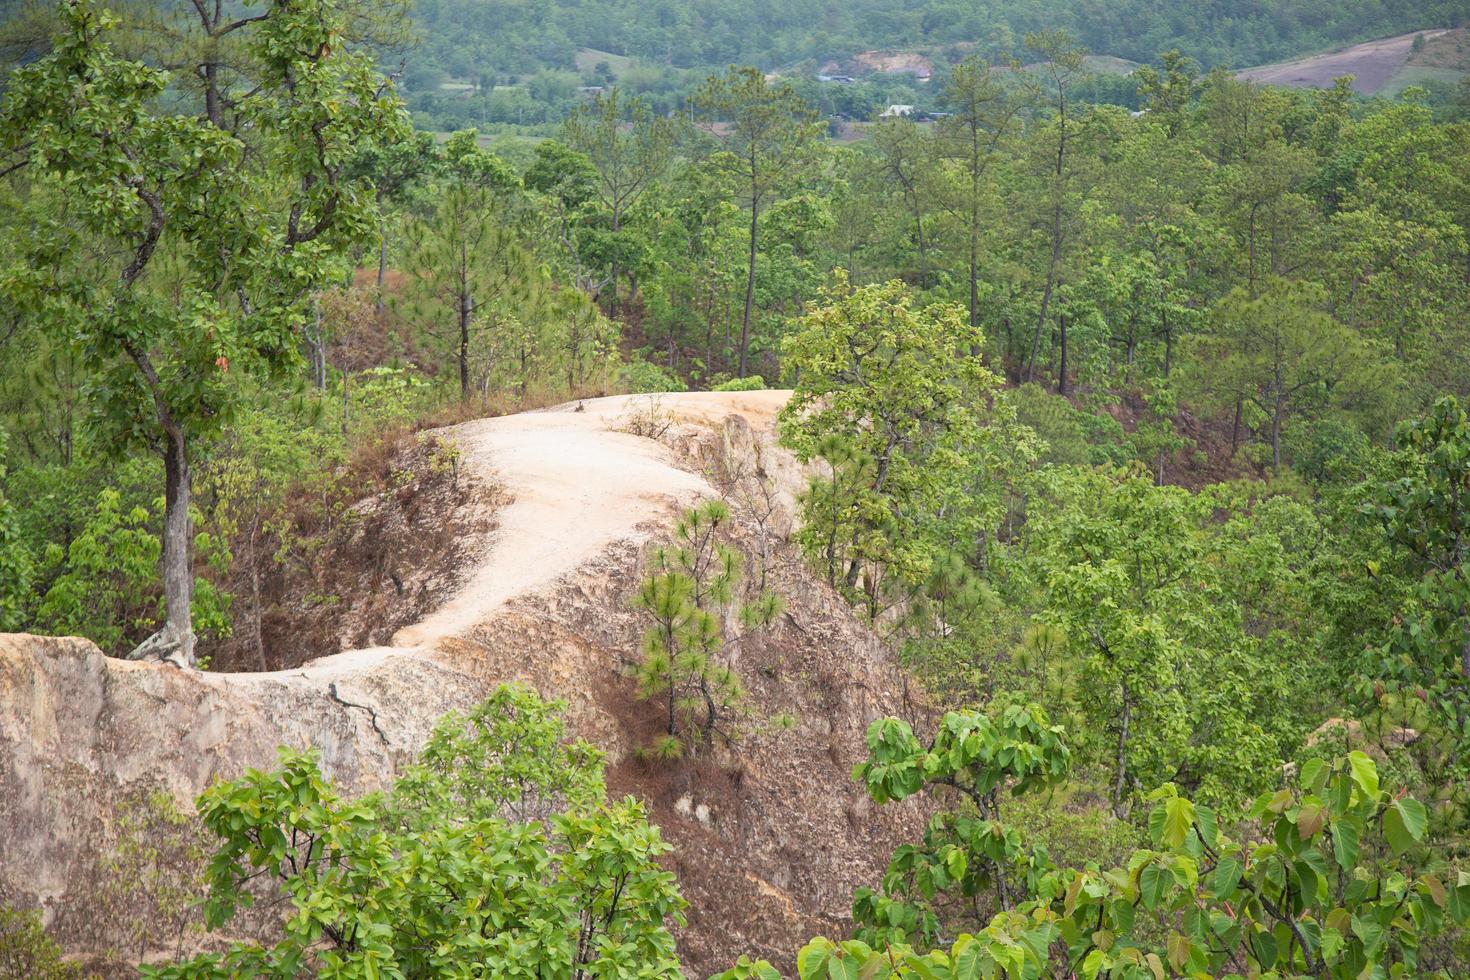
x,y
451,872
640,377
27,951
752,382
1326,878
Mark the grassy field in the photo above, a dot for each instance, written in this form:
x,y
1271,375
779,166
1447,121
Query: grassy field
x,y
1106,64
1411,75
587,59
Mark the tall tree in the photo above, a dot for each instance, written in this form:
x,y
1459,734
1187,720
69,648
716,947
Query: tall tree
x,y
465,254
1060,65
891,397
177,252
904,157
768,132
1281,354
1168,89
1426,513
394,168
629,146
983,112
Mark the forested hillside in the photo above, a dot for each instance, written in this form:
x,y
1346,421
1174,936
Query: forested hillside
x,y
517,38
480,62
1139,438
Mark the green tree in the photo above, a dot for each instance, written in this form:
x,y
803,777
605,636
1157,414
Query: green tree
x,y
898,389
468,862
1326,877
905,160
1281,354
16,562
1426,514
209,232
1168,89
1141,581
984,112
768,133
965,853
629,146
464,255
693,584
567,181
1060,64
395,169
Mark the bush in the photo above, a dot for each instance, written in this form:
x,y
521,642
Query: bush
x,y
461,867
26,950
752,383
643,377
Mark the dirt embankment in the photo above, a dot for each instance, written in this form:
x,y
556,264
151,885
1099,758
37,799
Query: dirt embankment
x,y
770,839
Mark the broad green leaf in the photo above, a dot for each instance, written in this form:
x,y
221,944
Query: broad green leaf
x,y
1178,818
1226,877
1404,823
1345,842
1153,883
1365,773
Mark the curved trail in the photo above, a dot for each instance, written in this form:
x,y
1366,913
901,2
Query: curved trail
x,y
577,485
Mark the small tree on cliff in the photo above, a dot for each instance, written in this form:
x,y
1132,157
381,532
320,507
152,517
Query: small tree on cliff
x,y
495,854
688,595
174,252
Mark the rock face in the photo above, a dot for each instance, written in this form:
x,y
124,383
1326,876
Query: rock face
x,y
770,838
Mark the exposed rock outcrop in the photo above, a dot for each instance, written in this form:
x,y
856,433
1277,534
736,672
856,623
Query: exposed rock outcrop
x,y
769,840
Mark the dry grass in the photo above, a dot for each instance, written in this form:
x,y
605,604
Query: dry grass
x,y
349,565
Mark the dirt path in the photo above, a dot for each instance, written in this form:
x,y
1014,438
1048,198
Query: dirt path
x,y
577,485
1371,65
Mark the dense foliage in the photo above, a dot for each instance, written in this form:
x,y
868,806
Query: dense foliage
x,y
495,847
1324,879
1139,436
521,62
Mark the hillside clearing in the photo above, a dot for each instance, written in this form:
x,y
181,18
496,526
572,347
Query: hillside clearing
x,y
1372,65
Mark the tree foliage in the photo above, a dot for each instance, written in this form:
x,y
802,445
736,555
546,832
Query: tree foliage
x,y
1326,876
692,594
496,847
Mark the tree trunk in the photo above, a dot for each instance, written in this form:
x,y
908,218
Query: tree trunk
x,y
1276,439
175,641
1062,371
1121,774
1051,281
749,278
612,304
975,280
178,538
1235,429
466,306
975,232
1251,271
923,249
1168,345
379,304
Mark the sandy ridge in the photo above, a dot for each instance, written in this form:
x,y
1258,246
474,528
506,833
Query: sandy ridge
x,y
578,484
